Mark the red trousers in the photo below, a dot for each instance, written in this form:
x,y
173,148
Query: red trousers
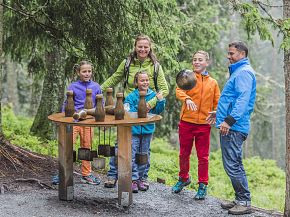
x,y
200,134
86,135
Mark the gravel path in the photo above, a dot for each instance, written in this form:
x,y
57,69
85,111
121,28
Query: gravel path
x,y
99,201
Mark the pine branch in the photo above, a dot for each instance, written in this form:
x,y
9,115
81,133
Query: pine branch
x,y
47,29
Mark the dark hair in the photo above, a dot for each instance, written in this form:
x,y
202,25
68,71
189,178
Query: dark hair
x,y
241,46
137,75
77,67
151,54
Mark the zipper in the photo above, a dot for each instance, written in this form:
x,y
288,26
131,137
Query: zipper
x,y
200,96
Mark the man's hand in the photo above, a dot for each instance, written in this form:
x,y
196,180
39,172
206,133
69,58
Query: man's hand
x,y
211,118
224,129
190,105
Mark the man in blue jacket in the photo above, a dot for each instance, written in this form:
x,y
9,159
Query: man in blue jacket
x,y
235,106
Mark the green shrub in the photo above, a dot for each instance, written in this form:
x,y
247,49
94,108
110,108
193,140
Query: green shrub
x,y
16,129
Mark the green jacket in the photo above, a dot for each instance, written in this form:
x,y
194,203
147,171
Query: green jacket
x,y
135,67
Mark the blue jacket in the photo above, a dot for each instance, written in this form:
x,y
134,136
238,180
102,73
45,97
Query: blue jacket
x,y
238,97
79,88
133,100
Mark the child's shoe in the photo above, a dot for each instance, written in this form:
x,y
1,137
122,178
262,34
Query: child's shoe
x,y
201,192
141,186
110,182
90,179
134,187
180,185
145,183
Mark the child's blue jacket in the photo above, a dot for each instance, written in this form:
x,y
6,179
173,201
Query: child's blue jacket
x,y
133,99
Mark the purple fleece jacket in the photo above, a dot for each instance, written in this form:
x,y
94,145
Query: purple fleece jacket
x,y
79,88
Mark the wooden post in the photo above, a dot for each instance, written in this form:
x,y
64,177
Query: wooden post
x,y
124,165
65,157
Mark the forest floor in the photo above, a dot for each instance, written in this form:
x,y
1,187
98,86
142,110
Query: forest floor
x,y
26,190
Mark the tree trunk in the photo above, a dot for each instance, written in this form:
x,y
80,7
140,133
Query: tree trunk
x,y
274,118
1,61
286,14
35,99
12,91
52,95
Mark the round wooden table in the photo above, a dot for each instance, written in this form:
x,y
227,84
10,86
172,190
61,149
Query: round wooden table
x,y
124,135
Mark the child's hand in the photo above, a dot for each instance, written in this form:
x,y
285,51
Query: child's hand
x,y
211,118
159,96
190,105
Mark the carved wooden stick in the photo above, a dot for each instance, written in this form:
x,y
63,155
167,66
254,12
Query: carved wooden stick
x,y
82,114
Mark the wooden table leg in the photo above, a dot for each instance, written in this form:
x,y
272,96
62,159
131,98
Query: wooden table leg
x,y
65,157
124,165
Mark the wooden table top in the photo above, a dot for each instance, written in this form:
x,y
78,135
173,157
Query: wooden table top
x,y
129,120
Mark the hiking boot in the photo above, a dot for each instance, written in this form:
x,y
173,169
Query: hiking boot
x,y
180,185
134,187
141,185
240,210
228,204
91,180
55,180
110,183
201,192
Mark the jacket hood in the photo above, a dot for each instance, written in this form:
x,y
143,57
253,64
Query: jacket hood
x,y
234,66
146,62
84,82
149,92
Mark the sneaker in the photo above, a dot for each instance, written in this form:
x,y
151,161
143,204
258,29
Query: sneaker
x,y
180,185
201,192
141,185
228,204
240,210
55,180
90,179
110,183
145,183
134,187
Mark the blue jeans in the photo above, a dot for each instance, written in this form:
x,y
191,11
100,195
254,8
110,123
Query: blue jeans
x,y
140,144
232,149
138,171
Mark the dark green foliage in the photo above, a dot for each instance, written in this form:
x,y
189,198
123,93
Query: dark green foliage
x,y
103,32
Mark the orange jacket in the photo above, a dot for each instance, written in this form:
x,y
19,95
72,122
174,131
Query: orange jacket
x,y
205,95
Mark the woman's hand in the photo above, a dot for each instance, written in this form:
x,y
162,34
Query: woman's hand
x,y
148,107
159,96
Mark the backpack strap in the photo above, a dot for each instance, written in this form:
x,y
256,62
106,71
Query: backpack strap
x,y
126,71
155,75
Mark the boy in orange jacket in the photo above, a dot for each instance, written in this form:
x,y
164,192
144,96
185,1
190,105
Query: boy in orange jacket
x,y
193,127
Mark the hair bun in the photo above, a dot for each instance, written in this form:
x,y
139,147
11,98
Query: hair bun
x,y
76,67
